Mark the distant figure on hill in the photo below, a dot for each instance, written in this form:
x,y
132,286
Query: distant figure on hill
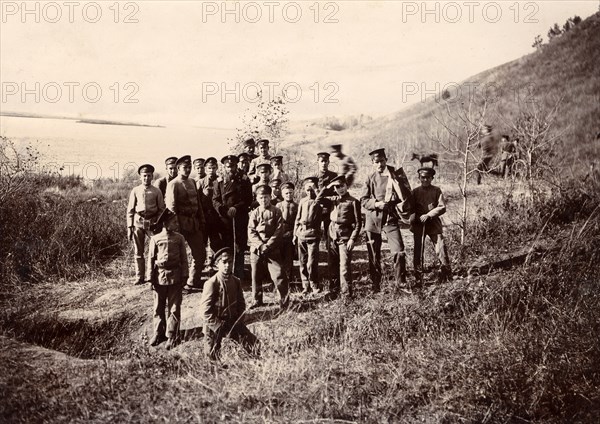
x,y
507,159
145,205
423,159
489,147
171,168
348,167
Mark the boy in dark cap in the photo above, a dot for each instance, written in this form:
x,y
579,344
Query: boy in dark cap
x,y
263,158
347,165
249,146
276,196
199,167
344,228
384,189
244,163
222,307
289,210
145,205
265,232
278,172
171,168
232,197
167,272
307,232
214,226
429,206
183,199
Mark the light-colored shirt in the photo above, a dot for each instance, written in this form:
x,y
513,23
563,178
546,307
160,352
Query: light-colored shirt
x,y
144,206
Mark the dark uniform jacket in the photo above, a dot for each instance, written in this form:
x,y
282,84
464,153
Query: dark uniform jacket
x,y
232,192
182,198
430,201
375,190
222,301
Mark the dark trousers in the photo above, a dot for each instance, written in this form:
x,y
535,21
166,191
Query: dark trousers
x,y
238,332
167,298
440,249
270,260
196,242
340,269
236,237
396,249
483,167
287,256
308,256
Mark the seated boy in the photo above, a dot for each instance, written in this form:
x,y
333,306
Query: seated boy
x,y
167,272
346,222
307,233
222,307
265,231
429,206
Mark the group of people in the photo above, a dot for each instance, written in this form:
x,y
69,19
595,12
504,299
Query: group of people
x,y
251,206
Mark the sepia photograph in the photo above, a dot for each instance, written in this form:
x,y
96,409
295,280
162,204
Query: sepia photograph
x,y
299,211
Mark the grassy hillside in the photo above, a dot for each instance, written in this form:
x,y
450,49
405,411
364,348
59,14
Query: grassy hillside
x,y
566,69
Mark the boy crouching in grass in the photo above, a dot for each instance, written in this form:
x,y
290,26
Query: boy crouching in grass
x,y
289,210
429,206
222,307
344,229
307,234
265,231
167,271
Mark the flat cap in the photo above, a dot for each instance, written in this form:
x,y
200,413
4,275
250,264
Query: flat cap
x,y
289,185
313,180
264,189
243,155
324,155
183,160
249,142
275,182
165,215
230,159
264,166
211,160
220,253
426,170
336,147
171,160
262,141
378,152
199,160
146,168
339,180
276,159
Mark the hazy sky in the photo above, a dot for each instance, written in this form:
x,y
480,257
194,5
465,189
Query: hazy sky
x,y
177,57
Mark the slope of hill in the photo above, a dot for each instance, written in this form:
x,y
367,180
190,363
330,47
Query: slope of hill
x,y
564,69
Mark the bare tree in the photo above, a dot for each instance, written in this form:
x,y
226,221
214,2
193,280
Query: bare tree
x,y
458,133
267,119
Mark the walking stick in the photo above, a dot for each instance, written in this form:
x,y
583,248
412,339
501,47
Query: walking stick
x,y
422,253
234,243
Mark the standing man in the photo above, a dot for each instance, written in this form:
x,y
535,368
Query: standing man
x,y
249,146
214,226
232,197
325,176
263,157
380,196
145,206
222,308
347,165
171,168
199,167
507,160
167,272
184,201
